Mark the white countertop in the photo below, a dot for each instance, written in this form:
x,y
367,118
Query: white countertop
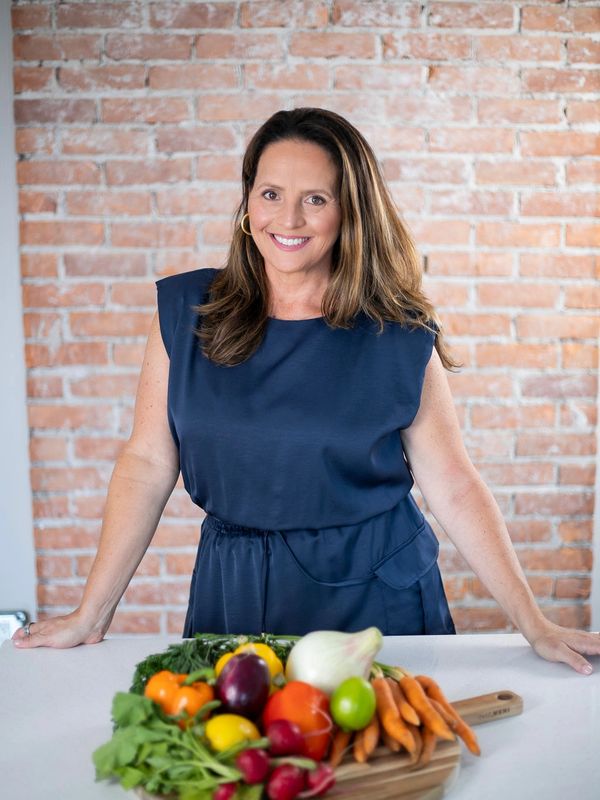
x,y
55,710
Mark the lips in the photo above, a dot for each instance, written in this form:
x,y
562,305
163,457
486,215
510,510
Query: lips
x,y
290,248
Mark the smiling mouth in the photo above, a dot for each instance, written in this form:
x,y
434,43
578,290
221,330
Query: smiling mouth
x,y
289,243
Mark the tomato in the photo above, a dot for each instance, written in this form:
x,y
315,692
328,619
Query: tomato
x,y
161,687
308,707
221,663
189,699
264,651
353,704
226,730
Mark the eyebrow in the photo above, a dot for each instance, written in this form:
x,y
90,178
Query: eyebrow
x,y
274,186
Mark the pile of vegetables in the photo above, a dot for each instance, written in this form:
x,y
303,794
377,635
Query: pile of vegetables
x,y
245,717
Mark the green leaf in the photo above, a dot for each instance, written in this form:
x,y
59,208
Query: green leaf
x,y
131,709
131,777
190,793
245,792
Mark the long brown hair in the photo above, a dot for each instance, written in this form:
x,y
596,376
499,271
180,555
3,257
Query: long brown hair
x,y
375,265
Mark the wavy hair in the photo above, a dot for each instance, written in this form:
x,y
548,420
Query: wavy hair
x,y
375,267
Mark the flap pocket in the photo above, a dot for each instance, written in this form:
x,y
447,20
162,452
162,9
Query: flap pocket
x,y
412,559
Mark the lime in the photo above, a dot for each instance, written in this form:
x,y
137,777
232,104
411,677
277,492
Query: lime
x,y
353,704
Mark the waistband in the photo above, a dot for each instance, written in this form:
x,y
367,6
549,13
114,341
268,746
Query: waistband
x,y
221,526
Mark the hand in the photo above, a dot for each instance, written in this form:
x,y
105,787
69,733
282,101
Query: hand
x,y
66,631
555,643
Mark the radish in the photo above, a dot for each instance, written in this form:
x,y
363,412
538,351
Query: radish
x,y
285,738
319,781
285,782
253,764
224,791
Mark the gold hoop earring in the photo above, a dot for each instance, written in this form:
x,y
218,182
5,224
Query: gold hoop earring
x,y
248,233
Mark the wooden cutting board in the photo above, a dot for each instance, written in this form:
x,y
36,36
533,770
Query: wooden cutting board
x,y
387,775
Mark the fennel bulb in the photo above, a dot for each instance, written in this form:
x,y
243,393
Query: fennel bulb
x,y
326,658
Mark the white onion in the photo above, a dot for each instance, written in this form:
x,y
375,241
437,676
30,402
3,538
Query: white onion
x,y
326,658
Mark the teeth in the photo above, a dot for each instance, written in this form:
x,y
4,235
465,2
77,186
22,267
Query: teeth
x,y
290,242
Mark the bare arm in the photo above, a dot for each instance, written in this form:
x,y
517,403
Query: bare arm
x,y
143,478
467,511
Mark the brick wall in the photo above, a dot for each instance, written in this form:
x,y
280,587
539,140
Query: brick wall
x,y
131,120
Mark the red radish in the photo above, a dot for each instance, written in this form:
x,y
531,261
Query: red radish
x,y
253,764
319,781
285,738
285,782
225,791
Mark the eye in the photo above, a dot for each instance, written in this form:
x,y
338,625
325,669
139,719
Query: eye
x,y
318,196
268,191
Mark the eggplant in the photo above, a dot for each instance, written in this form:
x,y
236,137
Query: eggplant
x,y
244,684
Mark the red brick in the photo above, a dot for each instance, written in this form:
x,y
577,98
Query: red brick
x,y
583,172
476,324
34,16
105,263
425,170
577,475
56,232
193,76
578,414
440,231
555,503
360,77
32,79
234,107
62,479
117,386
54,595
110,323
569,20
495,80
559,143
582,297
444,294
541,586
176,535
517,173
60,47
471,15
580,530
530,530
67,417
477,385
583,51
572,588
38,202
517,355
34,140
128,355
579,356
108,76
469,263
192,15
106,204
517,474
480,619
87,353
560,80
565,559
582,235
180,563
378,13
560,326
48,448
54,295
555,444
38,326
518,48
105,15
148,46
54,567
563,204
163,593
175,621
135,622
559,385
240,46
556,265
517,234
428,46
521,416
177,201
54,110
59,172
44,386
479,140
331,44
536,295
97,448
66,537
133,294
205,138
105,140
428,109
483,444
51,508
125,173
89,507
154,234
582,111
526,111
149,110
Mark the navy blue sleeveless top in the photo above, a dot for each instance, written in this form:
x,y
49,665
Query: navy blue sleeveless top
x,y
304,433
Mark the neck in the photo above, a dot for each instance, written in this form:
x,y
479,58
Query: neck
x,y
296,295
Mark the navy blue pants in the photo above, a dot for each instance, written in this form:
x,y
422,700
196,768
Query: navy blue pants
x,y
248,580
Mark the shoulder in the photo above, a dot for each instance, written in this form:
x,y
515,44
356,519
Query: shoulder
x,y
193,284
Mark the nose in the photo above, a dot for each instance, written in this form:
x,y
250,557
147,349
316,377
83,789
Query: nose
x,y
291,215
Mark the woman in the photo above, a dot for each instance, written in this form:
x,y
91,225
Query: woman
x,y
299,390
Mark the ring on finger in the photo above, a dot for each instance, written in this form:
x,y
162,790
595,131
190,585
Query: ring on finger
x,y
27,629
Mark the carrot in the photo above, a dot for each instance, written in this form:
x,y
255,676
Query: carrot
x,y
358,749
429,740
389,716
416,733
391,743
341,740
416,696
407,712
371,735
460,727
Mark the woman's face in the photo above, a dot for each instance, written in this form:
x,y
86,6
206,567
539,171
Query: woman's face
x,y
294,197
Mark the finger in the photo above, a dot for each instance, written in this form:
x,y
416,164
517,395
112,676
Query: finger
x,y
22,640
584,642
567,655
